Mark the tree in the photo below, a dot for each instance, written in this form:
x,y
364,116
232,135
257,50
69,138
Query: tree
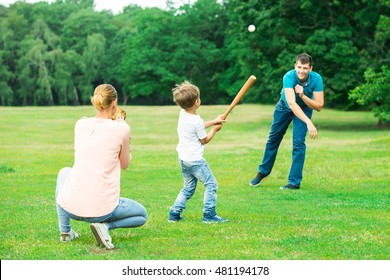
x,y
267,53
6,97
375,94
57,52
78,26
163,48
143,68
92,58
67,77
116,48
35,79
338,62
5,74
338,34
198,47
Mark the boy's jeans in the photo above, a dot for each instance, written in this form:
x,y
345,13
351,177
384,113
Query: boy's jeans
x,y
282,119
127,214
192,173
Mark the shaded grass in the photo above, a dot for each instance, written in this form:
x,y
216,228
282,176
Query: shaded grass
x,y
341,212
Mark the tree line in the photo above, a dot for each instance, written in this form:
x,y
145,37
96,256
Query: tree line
x,y
55,54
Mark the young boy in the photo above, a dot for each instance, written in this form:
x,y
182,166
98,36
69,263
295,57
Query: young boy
x,y
192,134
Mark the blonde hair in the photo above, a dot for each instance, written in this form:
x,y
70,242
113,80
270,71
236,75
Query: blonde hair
x,y
103,96
185,94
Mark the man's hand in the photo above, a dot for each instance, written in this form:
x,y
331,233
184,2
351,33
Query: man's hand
x,y
312,130
299,90
317,103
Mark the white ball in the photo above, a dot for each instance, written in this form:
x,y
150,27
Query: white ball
x,y
251,28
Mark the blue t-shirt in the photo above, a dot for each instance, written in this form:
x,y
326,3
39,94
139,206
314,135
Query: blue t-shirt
x,y
313,84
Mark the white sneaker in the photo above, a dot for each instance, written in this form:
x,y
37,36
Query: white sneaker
x,y
103,238
72,235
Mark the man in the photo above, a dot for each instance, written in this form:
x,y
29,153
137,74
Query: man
x,y
301,93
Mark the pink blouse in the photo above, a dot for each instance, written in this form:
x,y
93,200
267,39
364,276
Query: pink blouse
x,y
93,186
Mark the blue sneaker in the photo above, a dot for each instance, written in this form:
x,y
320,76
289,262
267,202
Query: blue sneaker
x,y
256,181
174,217
213,219
290,187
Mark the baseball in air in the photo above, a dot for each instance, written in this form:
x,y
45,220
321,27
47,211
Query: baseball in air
x,y
251,28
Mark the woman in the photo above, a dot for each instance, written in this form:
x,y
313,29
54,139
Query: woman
x,y
89,191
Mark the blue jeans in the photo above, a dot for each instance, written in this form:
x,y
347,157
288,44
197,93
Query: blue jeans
x,y
127,214
283,116
192,173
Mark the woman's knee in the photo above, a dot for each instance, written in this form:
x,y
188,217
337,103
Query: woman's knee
x,y
64,172
144,213
61,178
133,208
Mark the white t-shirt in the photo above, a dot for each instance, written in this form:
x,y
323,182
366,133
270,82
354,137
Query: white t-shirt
x,y
190,129
93,186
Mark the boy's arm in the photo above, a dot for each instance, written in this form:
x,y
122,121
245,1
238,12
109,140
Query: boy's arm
x,y
217,120
211,134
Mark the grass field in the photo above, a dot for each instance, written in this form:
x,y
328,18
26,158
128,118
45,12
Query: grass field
x,y
341,212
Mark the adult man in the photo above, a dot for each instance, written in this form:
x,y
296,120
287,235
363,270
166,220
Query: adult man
x,y
301,93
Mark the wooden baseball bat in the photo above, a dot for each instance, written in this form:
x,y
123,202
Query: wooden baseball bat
x,y
239,95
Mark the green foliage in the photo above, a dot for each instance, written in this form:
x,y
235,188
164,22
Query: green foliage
x,y
340,213
375,93
78,26
6,96
57,53
172,55
335,33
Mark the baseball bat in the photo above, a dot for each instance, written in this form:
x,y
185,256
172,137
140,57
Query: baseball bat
x,y
239,95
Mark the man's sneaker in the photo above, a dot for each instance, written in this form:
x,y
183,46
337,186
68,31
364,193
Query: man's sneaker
x,y
289,187
103,238
256,181
174,217
213,219
72,235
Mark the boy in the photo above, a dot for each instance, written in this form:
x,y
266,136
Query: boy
x,y
192,134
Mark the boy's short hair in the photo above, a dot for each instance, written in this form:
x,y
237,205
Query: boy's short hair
x,y
304,58
185,94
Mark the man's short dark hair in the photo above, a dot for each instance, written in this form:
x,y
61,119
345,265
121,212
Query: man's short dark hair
x,y
304,58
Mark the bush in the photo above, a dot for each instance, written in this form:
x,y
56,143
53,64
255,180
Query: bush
x,y
375,93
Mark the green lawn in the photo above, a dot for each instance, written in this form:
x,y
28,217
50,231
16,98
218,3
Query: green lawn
x,y
341,212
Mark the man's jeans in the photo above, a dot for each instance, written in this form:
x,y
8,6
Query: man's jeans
x,y
282,119
192,173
